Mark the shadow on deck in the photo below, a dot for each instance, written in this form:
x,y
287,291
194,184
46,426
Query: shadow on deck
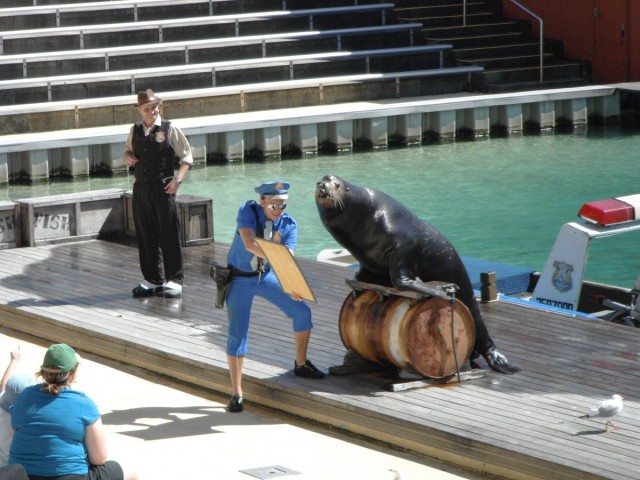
x,y
523,426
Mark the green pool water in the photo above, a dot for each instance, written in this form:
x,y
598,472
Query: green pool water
x,y
497,199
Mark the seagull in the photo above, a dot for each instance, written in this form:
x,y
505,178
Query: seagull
x,y
396,474
607,409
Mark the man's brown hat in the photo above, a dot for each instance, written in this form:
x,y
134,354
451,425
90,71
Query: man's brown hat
x,y
147,97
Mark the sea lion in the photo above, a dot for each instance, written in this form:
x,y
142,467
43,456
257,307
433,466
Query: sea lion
x,y
396,248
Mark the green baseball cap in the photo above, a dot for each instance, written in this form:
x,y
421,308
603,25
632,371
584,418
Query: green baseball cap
x,y
60,358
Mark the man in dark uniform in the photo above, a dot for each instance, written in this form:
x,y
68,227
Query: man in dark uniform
x,y
152,148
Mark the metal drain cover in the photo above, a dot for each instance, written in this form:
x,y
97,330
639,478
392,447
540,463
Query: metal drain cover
x,y
270,472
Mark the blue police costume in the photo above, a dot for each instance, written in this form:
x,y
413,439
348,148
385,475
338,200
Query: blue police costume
x,y
247,281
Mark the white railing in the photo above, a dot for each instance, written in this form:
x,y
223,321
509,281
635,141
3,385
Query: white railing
x,y
541,36
539,19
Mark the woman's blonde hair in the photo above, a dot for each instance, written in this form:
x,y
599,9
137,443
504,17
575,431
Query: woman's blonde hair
x,y
55,382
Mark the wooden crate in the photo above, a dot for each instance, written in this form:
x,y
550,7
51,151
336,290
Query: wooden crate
x,y
9,230
68,217
196,218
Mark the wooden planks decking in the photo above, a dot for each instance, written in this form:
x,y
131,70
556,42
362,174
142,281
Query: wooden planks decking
x,y
523,426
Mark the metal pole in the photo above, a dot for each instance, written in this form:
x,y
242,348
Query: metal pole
x,y
541,51
464,13
541,37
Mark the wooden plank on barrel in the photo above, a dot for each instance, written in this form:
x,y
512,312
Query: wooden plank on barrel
x,y
386,290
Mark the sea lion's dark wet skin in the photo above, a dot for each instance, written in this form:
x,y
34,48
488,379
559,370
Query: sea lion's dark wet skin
x,y
396,248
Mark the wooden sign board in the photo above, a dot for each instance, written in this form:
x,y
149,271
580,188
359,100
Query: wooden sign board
x,y
291,278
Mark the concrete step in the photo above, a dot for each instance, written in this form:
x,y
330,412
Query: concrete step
x,y
450,8
459,31
506,87
304,4
495,5
506,61
558,71
503,50
485,39
452,20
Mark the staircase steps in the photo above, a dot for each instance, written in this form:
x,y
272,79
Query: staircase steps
x,y
461,31
506,48
484,39
527,85
491,51
503,62
449,20
559,70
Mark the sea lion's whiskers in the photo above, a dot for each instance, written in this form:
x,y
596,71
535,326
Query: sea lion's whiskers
x,y
336,200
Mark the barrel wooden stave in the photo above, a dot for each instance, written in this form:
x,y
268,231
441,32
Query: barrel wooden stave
x,y
399,331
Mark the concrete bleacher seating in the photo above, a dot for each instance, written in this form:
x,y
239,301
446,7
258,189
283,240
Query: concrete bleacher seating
x,y
36,3
178,29
39,64
68,14
30,14
96,112
212,74
78,65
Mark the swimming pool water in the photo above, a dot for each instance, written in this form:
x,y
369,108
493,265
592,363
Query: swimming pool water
x,y
497,199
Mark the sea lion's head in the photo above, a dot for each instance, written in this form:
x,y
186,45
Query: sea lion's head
x,y
330,193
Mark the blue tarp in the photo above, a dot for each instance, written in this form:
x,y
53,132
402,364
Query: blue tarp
x,y
510,279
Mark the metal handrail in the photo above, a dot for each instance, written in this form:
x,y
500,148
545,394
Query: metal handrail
x,y
464,24
464,13
541,36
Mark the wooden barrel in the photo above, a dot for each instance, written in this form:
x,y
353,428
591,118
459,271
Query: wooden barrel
x,y
401,331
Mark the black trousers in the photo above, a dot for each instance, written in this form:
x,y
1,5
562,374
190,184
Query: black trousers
x,y
155,217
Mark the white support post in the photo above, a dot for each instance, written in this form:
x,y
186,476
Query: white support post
x,y
408,126
269,141
443,123
575,111
305,137
476,119
543,113
35,164
76,160
340,133
373,129
109,156
231,144
511,117
198,145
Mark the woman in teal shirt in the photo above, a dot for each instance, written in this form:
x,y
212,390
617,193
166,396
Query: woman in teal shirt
x,y
58,430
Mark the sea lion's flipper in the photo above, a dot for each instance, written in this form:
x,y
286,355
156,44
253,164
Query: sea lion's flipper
x,y
402,281
499,362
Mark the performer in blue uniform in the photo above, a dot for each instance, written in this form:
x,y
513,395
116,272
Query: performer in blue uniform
x,y
252,276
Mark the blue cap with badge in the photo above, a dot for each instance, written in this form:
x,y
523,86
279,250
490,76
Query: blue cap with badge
x,y
276,190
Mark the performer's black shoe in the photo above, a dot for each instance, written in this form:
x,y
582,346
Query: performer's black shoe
x,y
308,370
146,289
236,404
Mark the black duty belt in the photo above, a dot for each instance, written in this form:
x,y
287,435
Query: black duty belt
x,y
240,273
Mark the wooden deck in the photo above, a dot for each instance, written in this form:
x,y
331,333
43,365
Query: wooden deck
x,y
523,426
